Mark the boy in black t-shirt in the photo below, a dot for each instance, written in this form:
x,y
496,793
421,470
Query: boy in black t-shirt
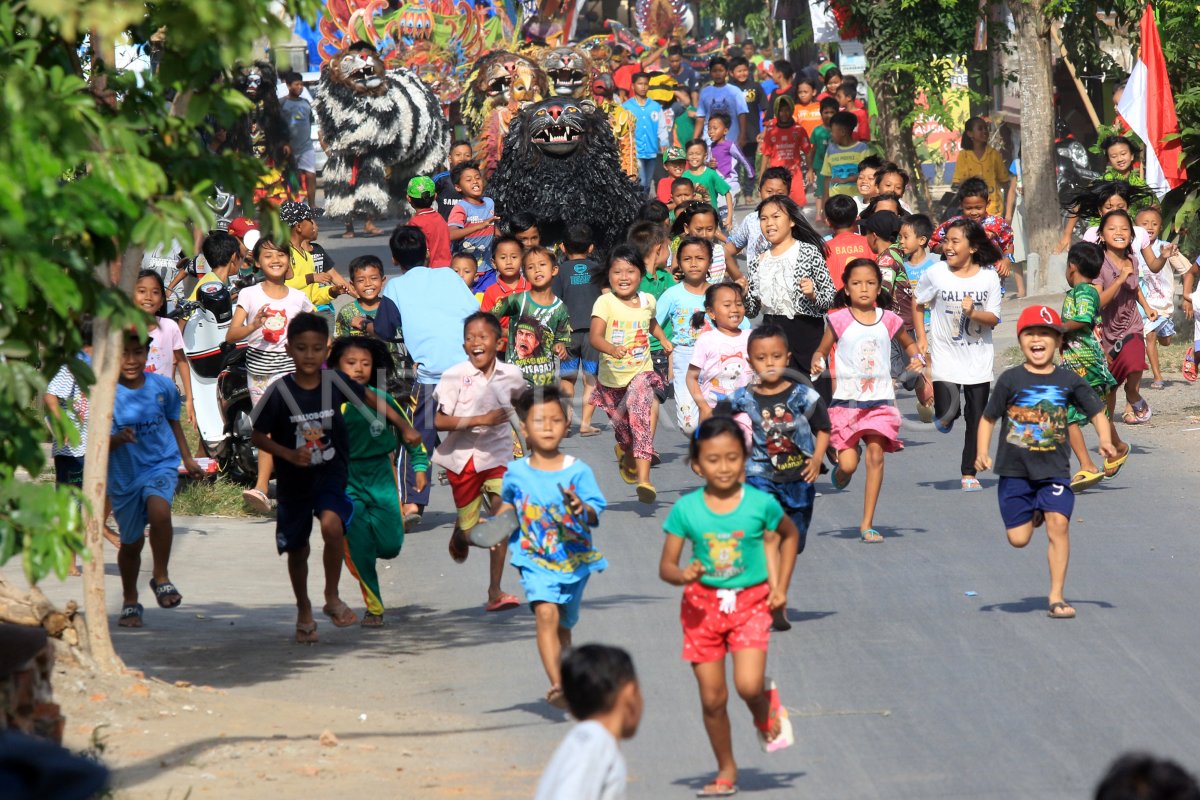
x,y
299,422
575,284
1033,458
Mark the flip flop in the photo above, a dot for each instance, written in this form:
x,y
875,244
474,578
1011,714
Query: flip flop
x,y
164,593
503,603
786,737
1189,365
596,431
871,536
491,531
971,485
370,620
337,614
646,493
720,787
1084,480
1115,465
131,616
1056,611
1157,385
779,620
842,484
306,633
257,501
627,476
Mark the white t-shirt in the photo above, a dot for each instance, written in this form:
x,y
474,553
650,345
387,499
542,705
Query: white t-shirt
x,y
960,350
165,339
272,336
1159,287
587,765
863,358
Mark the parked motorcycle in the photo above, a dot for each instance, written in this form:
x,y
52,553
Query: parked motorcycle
x,y
219,391
1073,166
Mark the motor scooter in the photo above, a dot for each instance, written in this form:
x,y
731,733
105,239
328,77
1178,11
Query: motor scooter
x,y
219,391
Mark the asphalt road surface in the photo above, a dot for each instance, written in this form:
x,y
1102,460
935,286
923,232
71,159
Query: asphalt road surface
x,y
922,667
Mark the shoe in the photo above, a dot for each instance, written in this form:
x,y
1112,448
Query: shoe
x,y
943,427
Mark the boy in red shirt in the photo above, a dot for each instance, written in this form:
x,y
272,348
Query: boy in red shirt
x,y
786,144
846,245
847,96
422,193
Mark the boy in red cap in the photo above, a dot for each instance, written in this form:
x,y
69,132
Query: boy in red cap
x,y
1033,458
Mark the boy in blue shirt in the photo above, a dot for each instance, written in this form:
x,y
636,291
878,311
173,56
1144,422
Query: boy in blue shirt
x,y
556,501
650,132
143,468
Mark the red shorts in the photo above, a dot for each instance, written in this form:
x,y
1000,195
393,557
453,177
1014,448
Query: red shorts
x,y
708,634
468,487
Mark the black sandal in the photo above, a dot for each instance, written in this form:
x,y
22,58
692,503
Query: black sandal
x,y
164,593
131,616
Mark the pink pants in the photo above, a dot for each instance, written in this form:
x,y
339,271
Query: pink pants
x,y
628,409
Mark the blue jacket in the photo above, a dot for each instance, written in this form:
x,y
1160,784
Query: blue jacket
x,y
650,131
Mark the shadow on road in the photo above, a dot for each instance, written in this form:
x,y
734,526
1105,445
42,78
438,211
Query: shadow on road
x,y
539,708
854,533
807,616
748,778
1029,605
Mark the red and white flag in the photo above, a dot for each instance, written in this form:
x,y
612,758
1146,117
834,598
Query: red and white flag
x,y
1148,107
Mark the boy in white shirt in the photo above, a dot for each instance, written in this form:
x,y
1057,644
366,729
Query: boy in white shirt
x,y
602,692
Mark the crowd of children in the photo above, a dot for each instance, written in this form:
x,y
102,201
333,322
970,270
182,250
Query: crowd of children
x,y
349,425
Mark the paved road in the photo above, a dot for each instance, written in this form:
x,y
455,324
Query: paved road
x,y
901,684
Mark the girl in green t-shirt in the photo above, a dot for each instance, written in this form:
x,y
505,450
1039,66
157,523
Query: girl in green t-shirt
x,y
743,551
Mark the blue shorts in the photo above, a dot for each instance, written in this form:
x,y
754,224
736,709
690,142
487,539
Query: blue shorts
x,y
542,587
1020,497
294,516
796,497
129,508
580,355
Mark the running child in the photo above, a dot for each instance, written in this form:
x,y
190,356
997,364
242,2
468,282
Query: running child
x,y
846,244
622,324
789,434
507,280
650,240
601,690
747,236
1032,459
472,220
145,449
576,285
700,219
719,365
262,318
683,191
785,144
674,163
675,311
474,403
1122,155
376,528
539,324
864,402
706,178
963,297
166,355
467,268
557,503
741,566
973,200
300,424
728,156
864,182
1081,354
820,138
1158,288
523,227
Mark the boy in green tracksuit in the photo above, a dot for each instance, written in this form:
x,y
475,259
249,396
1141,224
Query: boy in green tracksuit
x,y
377,528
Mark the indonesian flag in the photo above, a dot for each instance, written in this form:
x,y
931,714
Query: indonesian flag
x,y
1149,109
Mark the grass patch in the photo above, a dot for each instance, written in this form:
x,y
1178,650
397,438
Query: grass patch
x,y
217,497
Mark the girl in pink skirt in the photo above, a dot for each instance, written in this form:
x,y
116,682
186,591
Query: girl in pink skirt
x,y
863,410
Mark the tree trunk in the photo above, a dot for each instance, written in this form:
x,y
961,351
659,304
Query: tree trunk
x,y
107,346
1043,219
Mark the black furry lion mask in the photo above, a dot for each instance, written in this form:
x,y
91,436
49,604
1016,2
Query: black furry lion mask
x,y
561,164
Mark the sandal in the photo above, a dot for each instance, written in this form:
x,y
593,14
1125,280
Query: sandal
x,y
165,593
556,698
629,476
131,616
1189,365
589,431
370,620
971,485
1060,610
503,603
1113,468
871,536
779,620
785,737
257,501
646,493
1130,418
720,787
1084,480
459,547
491,531
1157,385
840,484
306,632
341,614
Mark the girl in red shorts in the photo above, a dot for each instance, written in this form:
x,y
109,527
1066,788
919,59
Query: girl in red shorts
x,y
743,550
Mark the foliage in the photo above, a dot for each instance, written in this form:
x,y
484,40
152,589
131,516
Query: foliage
x,y
94,163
